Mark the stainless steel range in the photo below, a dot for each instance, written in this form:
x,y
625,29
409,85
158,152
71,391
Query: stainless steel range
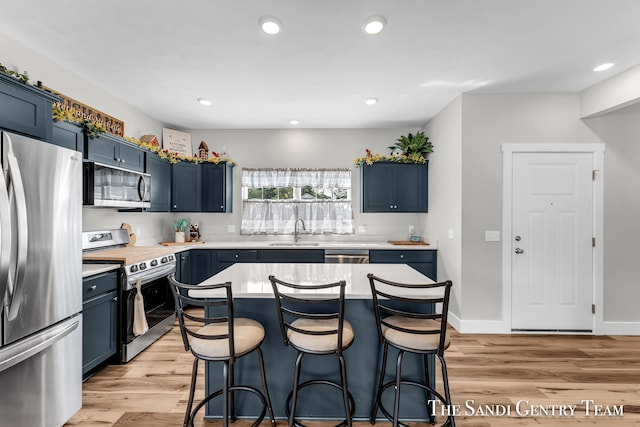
x,y
150,265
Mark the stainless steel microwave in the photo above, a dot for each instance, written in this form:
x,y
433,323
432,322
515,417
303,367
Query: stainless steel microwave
x,y
109,186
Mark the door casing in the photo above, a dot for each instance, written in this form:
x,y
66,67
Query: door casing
x,y
597,151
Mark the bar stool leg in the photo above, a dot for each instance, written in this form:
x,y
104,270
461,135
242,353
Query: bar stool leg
x,y
265,389
294,398
445,383
225,394
383,370
345,389
396,406
430,396
232,401
192,390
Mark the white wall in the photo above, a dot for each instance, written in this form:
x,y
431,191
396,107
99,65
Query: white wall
x,y
620,130
312,148
487,122
17,56
616,92
445,201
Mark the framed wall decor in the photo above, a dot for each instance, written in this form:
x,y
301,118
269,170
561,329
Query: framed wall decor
x,y
177,142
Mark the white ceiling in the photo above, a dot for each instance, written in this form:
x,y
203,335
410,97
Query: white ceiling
x,y
160,56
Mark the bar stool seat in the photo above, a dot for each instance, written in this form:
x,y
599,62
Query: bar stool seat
x,y
319,343
412,340
248,335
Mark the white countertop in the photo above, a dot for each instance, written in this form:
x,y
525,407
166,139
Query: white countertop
x,y
249,243
251,280
93,269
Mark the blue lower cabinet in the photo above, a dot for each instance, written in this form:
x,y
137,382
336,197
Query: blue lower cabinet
x,y
423,261
99,321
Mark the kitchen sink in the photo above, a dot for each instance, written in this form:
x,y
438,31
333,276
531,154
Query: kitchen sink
x,y
294,244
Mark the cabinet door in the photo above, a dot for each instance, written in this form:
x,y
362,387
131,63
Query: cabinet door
x,y
131,157
217,187
411,188
160,171
67,135
201,265
25,109
183,267
186,187
378,187
394,187
99,333
103,150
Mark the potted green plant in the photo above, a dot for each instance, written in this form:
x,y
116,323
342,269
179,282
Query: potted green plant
x,y
412,146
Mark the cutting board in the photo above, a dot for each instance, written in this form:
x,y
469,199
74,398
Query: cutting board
x,y
407,242
180,243
132,236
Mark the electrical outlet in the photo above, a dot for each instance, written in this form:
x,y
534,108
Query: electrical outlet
x,y
231,228
412,229
450,233
362,229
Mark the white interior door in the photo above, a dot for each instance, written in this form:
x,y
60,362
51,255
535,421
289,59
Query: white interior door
x,y
551,241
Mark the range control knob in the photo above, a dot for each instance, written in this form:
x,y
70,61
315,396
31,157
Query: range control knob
x,y
154,263
164,260
171,258
134,268
143,266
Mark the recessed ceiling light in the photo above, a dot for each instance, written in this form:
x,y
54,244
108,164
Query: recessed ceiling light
x,y
270,25
374,24
204,101
603,67
371,101
294,122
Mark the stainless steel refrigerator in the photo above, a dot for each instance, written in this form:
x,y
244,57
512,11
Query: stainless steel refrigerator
x,y
40,282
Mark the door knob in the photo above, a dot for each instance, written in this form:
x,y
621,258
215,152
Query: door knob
x,y
519,251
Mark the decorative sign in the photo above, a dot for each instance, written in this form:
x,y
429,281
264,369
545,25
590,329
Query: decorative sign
x,y
177,142
90,114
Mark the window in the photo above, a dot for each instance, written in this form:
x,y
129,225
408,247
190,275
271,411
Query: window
x,y
273,199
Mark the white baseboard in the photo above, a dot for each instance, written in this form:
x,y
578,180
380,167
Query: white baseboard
x,y
500,327
619,328
478,326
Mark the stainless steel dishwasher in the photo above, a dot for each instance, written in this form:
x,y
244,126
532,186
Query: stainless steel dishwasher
x,y
346,256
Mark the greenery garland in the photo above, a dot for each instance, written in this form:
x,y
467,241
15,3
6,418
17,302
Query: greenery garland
x,y
409,149
22,77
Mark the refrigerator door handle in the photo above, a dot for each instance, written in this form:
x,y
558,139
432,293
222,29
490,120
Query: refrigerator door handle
x,y
13,354
15,285
5,236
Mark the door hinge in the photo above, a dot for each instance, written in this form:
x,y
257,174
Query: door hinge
x,y
593,309
594,174
593,242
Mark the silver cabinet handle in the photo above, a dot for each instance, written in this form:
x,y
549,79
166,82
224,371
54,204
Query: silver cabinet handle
x,y
519,251
93,287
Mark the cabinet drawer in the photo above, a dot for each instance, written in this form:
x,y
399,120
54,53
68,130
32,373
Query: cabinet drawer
x,y
98,284
238,256
292,255
400,256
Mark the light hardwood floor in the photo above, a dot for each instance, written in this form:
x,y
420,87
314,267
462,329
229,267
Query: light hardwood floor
x,y
487,372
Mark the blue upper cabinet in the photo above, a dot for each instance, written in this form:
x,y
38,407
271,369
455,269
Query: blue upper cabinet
x,y
394,187
114,151
25,109
68,135
186,187
160,171
217,187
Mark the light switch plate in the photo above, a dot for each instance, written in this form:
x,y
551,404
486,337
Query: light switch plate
x,y
491,236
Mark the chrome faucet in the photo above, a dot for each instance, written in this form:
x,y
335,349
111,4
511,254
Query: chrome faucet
x,y
295,229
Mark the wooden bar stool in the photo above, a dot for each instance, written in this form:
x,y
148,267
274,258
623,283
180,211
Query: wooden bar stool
x,y
314,325
415,327
219,338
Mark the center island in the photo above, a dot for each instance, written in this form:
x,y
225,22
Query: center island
x,y
253,298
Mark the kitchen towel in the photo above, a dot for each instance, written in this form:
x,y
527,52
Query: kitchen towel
x,y
140,325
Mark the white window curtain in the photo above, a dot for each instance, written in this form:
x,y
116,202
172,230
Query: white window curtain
x,y
279,216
